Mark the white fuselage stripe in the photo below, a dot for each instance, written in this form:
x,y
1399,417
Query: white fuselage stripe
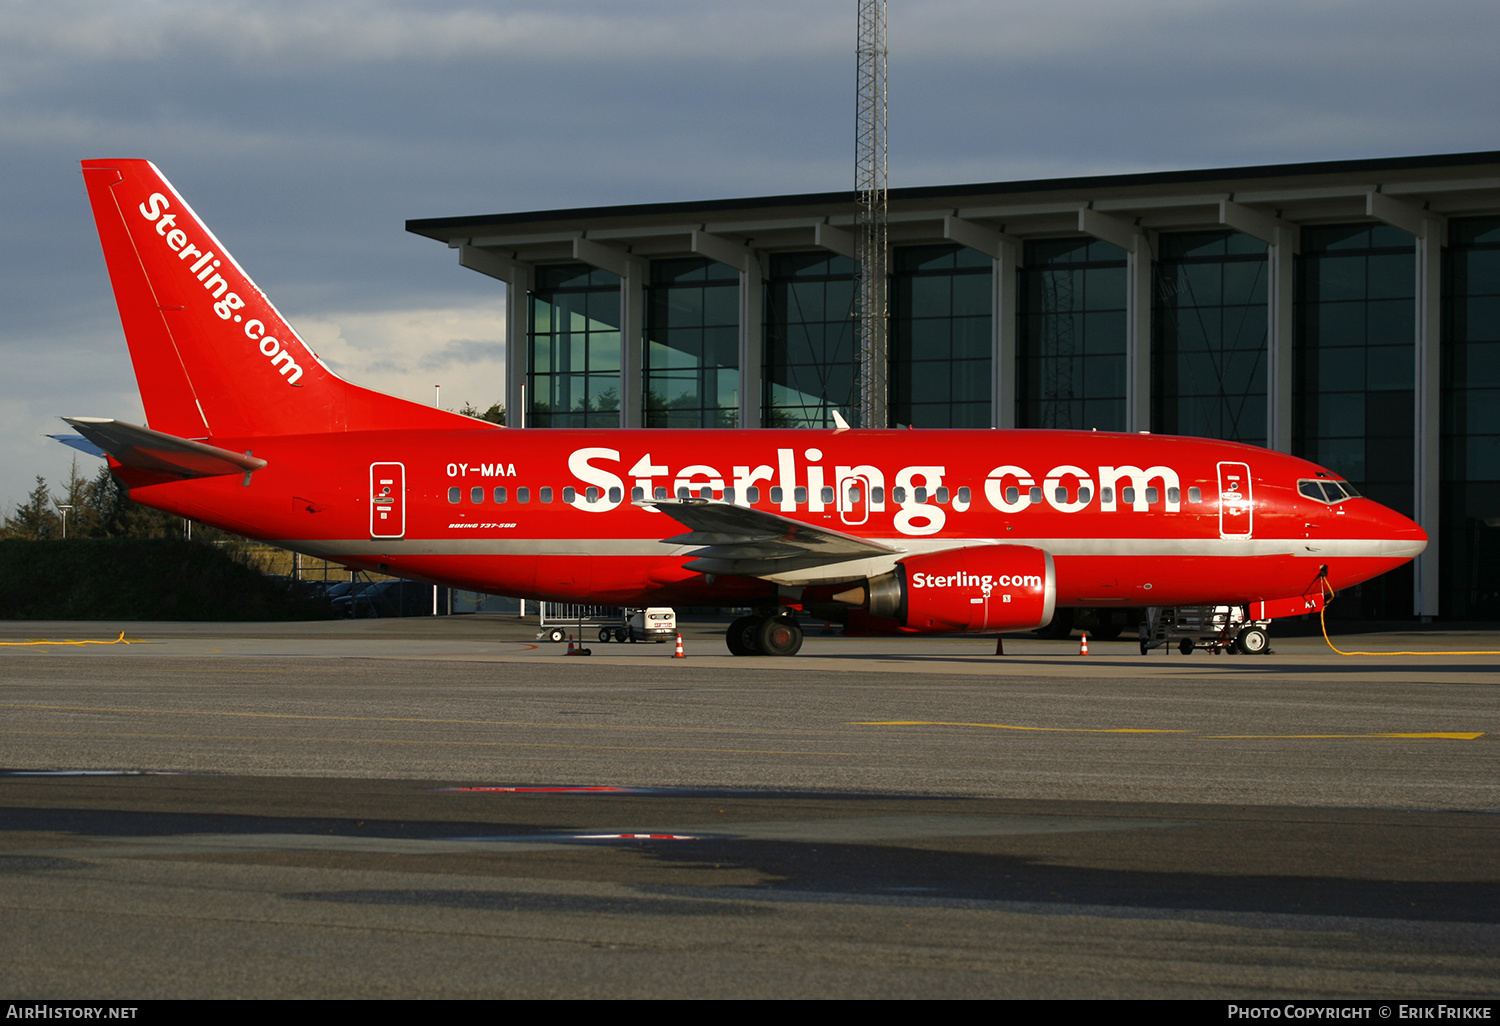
x,y
1322,548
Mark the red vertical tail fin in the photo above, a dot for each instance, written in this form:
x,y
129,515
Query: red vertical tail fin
x,y
212,356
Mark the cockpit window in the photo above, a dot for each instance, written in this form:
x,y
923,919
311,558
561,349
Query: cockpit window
x,y
1327,491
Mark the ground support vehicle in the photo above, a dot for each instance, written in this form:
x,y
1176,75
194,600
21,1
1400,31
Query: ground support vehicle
x,y
608,623
654,623
557,620
1214,629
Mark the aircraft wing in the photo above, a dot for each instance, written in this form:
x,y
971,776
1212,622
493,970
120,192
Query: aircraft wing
x,y
754,543
135,446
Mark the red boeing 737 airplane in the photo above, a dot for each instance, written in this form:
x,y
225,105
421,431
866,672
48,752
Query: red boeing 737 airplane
x,y
918,531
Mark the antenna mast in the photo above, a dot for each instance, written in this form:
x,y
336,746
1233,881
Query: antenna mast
x,y
870,283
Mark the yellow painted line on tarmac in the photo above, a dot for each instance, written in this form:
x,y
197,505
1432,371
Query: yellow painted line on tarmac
x,y
1441,735
1011,726
388,719
302,740
1448,735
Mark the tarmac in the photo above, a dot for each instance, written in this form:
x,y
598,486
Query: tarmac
x,y
450,807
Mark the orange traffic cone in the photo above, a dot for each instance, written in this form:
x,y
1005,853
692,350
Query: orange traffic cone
x,y
679,654
1083,646
570,645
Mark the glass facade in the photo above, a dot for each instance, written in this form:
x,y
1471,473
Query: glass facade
x,y
1353,353
941,302
1353,379
1070,340
809,345
1470,503
1208,336
574,336
692,361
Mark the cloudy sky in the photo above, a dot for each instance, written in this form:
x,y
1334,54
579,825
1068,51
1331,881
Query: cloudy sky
x,y
307,132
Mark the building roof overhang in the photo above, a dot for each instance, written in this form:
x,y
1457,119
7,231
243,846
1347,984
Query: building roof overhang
x,y
1407,191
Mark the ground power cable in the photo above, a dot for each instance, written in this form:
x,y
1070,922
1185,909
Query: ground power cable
x,y
15,644
1323,622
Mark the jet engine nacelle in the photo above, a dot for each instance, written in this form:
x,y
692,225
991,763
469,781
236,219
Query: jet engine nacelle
x,y
981,588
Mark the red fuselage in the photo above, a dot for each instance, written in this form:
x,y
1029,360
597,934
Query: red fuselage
x,y
1129,520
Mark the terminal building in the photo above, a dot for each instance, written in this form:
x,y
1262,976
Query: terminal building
x,y
1344,311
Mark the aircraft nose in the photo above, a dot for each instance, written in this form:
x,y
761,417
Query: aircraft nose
x,y
1400,537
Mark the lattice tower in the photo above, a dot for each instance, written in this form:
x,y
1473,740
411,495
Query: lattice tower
x,y
870,283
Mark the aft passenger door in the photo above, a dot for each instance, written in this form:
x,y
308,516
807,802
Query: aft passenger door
x,y
1236,504
387,500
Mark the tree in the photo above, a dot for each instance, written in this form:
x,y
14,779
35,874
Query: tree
x,y
495,414
119,517
83,519
35,519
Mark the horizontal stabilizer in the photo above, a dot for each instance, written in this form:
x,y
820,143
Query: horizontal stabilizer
x,y
752,542
135,446
80,443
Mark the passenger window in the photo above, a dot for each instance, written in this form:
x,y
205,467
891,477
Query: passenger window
x,y
615,494
1012,494
776,494
826,495
877,494
921,496
1195,494
661,492
682,493
544,494
1174,494
569,493
1035,495
729,495
523,495
853,496
455,494
1127,495
1061,494
591,493
706,492
476,495
942,496
499,494
898,494
799,495
1106,495
1084,495
752,495
1152,495
637,494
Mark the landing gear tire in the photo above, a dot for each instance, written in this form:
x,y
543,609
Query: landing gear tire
x,y
605,635
1253,641
1185,646
778,636
740,637
558,636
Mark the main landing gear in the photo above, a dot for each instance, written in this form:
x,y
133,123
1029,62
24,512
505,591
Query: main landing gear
x,y
776,634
